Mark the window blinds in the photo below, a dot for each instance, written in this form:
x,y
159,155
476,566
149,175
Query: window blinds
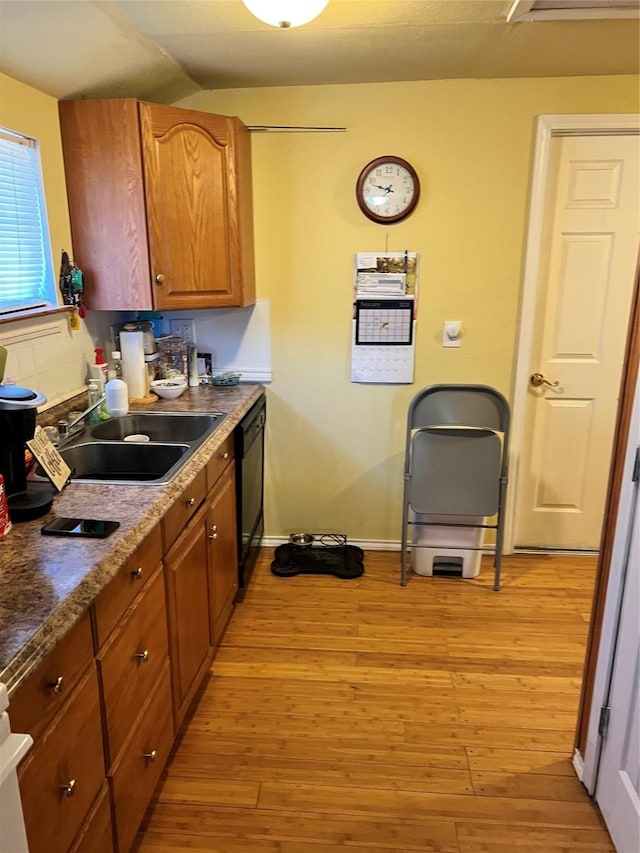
x,y
26,273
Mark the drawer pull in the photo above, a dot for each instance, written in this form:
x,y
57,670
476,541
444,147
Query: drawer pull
x,y
142,656
191,501
137,574
56,686
150,756
70,788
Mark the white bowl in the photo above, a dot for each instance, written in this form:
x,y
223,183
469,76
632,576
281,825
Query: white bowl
x,y
168,388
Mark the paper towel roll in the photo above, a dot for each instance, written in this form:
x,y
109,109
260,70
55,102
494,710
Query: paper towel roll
x,y
133,364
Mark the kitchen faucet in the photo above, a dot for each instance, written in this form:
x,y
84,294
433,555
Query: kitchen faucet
x,y
66,430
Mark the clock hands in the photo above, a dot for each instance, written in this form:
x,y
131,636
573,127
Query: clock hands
x,y
387,190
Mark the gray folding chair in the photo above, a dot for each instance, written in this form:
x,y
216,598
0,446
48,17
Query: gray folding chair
x,y
456,461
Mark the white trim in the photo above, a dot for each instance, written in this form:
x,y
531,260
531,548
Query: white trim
x,y
524,10
578,764
365,544
547,127
614,595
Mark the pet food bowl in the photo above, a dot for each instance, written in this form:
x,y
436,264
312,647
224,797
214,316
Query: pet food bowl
x,y
301,539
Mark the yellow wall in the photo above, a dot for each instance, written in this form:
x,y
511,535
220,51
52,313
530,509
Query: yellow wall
x,y
28,111
335,448
55,363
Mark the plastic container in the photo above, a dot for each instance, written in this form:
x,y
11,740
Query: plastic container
x,y
95,394
446,550
117,395
114,370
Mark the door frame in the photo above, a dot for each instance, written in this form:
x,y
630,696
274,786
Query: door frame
x,y
548,127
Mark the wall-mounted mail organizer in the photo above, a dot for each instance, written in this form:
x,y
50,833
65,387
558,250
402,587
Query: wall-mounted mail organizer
x,y
384,316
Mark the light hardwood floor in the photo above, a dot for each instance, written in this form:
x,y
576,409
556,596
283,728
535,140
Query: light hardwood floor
x,y
359,715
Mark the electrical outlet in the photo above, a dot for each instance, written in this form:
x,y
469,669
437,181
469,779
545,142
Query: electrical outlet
x,y
184,329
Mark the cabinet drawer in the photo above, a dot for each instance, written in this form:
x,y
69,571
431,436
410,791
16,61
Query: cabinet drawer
x,y
35,703
141,762
68,754
219,461
114,599
179,514
131,662
96,836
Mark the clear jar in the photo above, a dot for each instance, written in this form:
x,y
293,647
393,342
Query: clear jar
x,y
173,357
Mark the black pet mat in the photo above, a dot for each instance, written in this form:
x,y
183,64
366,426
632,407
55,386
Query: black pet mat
x,y
343,561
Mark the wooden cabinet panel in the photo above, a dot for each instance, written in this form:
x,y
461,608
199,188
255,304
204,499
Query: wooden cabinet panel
x,y
141,762
171,189
105,188
62,775
183,509
36,702
219,461
188,609
223,555
96,836
131,662
114,599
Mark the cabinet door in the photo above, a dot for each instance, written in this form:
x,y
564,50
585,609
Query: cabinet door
x,y
131,662
62,775
187,602
223,559
190,166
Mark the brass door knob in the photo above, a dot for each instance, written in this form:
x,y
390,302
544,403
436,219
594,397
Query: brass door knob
x,y
537,379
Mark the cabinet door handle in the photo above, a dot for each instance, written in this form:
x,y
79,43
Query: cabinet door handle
x,y
191,501
142,656
56,686
225,455
213,531
159,278
150,756
70,788
137,574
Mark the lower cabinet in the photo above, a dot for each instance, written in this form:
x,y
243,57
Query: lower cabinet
x,y
188,609
136,772
104,706
223,561
62,775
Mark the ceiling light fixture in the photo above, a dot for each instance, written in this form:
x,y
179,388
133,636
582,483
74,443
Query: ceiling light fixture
x,y
285,13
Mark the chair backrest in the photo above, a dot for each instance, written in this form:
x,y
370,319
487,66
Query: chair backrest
x,y
459,405
455,471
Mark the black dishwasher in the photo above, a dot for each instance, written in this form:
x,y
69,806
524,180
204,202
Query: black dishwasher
x,y
249,452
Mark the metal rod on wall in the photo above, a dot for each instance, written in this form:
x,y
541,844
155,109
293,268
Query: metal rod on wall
x,y
284,128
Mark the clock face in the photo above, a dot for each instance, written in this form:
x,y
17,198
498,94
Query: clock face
x,y
387,189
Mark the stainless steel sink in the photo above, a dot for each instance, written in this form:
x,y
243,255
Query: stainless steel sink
x,y
110,453
158,426
123,462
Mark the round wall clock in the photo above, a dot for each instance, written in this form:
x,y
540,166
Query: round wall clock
x,y
387,189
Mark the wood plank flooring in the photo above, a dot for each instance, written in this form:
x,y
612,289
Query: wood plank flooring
x,y
359,715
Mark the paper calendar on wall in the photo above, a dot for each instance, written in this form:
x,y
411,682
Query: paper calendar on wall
x,y
384,317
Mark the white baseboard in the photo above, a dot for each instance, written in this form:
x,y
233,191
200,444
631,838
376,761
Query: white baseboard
x,y
365,544
578,764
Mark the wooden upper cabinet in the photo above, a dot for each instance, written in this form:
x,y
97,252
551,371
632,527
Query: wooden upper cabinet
x,y
160,205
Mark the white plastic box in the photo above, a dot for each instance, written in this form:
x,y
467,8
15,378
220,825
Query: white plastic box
x,y
436,544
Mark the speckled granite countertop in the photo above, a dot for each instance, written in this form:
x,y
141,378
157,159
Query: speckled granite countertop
x,y
47,582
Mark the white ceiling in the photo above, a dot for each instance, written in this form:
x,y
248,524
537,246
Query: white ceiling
x,y
163,50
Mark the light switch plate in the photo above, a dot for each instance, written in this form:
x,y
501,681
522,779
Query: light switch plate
x,y
184,329
451,333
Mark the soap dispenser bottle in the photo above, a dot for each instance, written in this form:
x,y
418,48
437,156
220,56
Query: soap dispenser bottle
x,y
116,389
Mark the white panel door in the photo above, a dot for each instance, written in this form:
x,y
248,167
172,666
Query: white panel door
x,y
590,249
618,783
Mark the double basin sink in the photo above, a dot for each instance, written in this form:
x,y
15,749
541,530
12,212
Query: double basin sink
x,y
141,448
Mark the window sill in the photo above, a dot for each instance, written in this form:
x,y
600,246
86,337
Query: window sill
x,y
30,313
